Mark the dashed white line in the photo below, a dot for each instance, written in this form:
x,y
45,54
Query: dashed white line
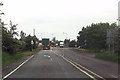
x,y
44,55
49,56
17,68
51,59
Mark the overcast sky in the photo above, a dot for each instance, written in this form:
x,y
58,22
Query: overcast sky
x,y
53,17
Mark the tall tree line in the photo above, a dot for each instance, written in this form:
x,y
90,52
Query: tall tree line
x,y
94,36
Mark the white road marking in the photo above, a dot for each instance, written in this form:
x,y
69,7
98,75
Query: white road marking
x,y
51,59
85,68
63,55
79,69
114,76
17,67
88,70
49,56
44,55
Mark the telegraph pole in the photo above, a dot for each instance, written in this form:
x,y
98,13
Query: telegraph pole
x,y
118,13
34,32
1,25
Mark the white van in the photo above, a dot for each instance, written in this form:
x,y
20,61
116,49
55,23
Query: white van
x,y
61,44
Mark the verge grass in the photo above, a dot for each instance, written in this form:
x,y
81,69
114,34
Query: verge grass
x,y
105,55
8,59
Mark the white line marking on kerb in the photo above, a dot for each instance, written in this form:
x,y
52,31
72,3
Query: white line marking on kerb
x,y
17,67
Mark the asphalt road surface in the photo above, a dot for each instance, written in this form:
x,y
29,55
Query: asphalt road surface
x,y
64,63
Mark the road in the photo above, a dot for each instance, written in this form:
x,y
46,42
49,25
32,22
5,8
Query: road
x,y
64,63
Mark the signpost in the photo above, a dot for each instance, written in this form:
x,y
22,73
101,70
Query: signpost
x,y
32,42
110,39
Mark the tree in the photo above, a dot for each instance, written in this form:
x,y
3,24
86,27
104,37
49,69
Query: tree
x,y
94,36
54,39
118,41
72,43
9,44
22,35
13,29
28,45
66,42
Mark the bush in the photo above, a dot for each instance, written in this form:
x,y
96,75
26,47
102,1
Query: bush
x,y
108,56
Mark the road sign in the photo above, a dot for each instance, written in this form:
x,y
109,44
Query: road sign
x,y
32,42
110,39
110,36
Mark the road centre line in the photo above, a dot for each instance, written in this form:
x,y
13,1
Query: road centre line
x,y
18,67
79,68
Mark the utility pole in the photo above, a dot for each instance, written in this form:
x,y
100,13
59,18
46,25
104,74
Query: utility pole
x,y
34,32
118,13
1,25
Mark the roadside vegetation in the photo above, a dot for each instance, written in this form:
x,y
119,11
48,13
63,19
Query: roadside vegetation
x,y
8,59
13,49
93,39
105,55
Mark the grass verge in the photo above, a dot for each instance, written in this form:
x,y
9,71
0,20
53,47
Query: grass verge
x,y
105,55
8,59
108,56
86,51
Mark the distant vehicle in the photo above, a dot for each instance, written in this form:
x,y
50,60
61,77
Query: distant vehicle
x,y
46,44
61,44
56,44
53,44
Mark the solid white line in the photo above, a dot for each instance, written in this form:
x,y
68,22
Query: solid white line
x,y
17,67
79,69
88,70
114,76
